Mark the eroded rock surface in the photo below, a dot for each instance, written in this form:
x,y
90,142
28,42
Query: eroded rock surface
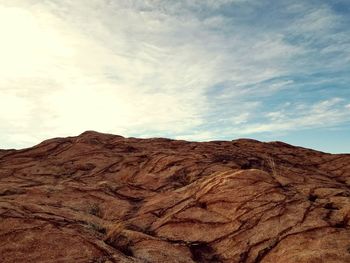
x,y
104,198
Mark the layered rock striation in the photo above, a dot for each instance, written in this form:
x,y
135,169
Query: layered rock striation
x,y
105,198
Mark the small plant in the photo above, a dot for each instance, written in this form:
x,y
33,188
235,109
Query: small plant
x,y
182,177
223,158
272,165
98,228
343,223
114,231
276,173
331,206
118,237
281,180
94,209
312,197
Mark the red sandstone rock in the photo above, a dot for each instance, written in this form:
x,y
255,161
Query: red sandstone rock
x,y
104,198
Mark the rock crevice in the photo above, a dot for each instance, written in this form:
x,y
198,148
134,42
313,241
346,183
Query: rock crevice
x,y
105,198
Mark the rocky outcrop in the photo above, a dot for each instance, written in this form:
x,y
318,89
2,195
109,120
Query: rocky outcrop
x,y
104,198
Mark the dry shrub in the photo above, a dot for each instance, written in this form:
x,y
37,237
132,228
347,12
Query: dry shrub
x,y
97,227
277,172
94,209
117,236
272,165
114,230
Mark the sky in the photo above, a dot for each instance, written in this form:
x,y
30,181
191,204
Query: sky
x,y
197,70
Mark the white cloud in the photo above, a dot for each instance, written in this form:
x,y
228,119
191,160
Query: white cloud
x,y
89,85
325,113
315,20
275,115
197,136
136,68
241,118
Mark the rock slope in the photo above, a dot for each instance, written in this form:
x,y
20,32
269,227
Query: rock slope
x,y
104,198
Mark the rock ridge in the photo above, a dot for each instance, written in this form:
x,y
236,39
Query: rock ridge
x,y
106,198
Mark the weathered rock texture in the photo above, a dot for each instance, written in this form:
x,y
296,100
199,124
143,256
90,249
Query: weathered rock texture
x,y
104,198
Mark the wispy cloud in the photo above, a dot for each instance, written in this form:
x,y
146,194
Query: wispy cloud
x,y
182,69
300,116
